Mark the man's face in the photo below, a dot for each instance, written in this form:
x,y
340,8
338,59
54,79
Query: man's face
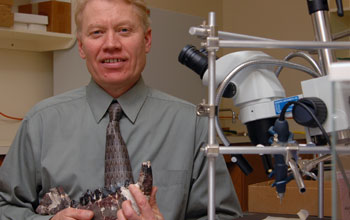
x,y
114,44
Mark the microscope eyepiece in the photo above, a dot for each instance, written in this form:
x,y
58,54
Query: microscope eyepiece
x,y
194,59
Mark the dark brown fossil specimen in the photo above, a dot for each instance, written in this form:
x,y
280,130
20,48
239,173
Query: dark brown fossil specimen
x,y
104,202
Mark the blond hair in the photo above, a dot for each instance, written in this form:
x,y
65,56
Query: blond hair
x,y
140,6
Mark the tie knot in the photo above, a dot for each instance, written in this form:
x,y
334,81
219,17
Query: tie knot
x,y
115,112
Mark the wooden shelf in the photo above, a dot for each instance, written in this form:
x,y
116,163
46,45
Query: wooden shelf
x,y
39,41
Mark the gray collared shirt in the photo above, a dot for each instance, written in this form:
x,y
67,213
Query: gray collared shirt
x,y
61,142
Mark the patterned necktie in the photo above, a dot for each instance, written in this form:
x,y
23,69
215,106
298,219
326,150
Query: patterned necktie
x,y
117,163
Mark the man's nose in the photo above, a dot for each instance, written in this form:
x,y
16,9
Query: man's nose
x,y
112,41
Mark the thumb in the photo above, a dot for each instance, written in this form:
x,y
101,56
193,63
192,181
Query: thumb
x,y
82,214
153,203
152,198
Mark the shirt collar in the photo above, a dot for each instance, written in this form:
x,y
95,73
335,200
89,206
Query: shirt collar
x,y
131,101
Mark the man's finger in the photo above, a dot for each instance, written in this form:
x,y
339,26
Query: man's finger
x,y
128,211
71,213
152,198
142,202
120,215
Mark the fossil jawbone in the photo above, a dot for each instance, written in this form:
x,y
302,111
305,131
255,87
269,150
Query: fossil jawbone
x,y
104,202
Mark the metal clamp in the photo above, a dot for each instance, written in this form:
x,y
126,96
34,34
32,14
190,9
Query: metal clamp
x,y
306,165
212,150
206,110
212,44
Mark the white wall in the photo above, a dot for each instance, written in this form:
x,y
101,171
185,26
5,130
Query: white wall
x,y
25,79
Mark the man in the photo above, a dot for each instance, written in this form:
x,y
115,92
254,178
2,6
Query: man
x,y
61,141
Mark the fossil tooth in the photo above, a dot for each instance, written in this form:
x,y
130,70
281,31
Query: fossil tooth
x,y
54,201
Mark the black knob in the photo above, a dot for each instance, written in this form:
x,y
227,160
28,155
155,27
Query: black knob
x,y
315,105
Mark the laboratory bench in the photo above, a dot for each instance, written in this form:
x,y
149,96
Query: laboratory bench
x,y
260,216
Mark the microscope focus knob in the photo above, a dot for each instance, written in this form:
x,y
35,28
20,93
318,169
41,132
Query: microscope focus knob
x,y
303,117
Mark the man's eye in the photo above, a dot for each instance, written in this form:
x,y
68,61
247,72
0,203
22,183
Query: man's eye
x,y
124,30
96,32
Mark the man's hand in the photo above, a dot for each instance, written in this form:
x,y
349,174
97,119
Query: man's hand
x,y
73,214
148,209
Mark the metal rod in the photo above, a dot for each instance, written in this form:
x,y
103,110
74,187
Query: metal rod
x,y
211,129
340,35
334,156
326,57
306,45
320,179
202,32
198,31
211,188
297,177
301,54
281,150
212,79
211,95
322,33
307,135
234,36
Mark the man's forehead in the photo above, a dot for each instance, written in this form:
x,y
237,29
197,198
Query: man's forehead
x,y
119,17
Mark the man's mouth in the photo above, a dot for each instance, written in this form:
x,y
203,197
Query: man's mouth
x,y
112,60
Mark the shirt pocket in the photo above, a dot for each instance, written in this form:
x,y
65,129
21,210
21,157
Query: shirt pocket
x,y
168,178
172,190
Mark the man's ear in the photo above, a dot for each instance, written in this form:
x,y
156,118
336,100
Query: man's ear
x,y
148,40
81,50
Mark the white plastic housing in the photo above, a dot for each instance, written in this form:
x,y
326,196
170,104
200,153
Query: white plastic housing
x,y
257,86
321,87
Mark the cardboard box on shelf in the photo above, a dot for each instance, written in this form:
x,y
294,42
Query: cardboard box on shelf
x,y
28,8
20,26
25,21
59,14
6,20
30,19
37,1
8,3
344,199
6,16
262,198
5,9
36,27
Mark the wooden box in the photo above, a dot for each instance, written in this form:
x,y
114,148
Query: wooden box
x,y
28,9
9,3
6,16
59,14
263,198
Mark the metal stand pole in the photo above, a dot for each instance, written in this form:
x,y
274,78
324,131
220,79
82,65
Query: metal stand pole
x,y
213,149
334,159
322,33
320,189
